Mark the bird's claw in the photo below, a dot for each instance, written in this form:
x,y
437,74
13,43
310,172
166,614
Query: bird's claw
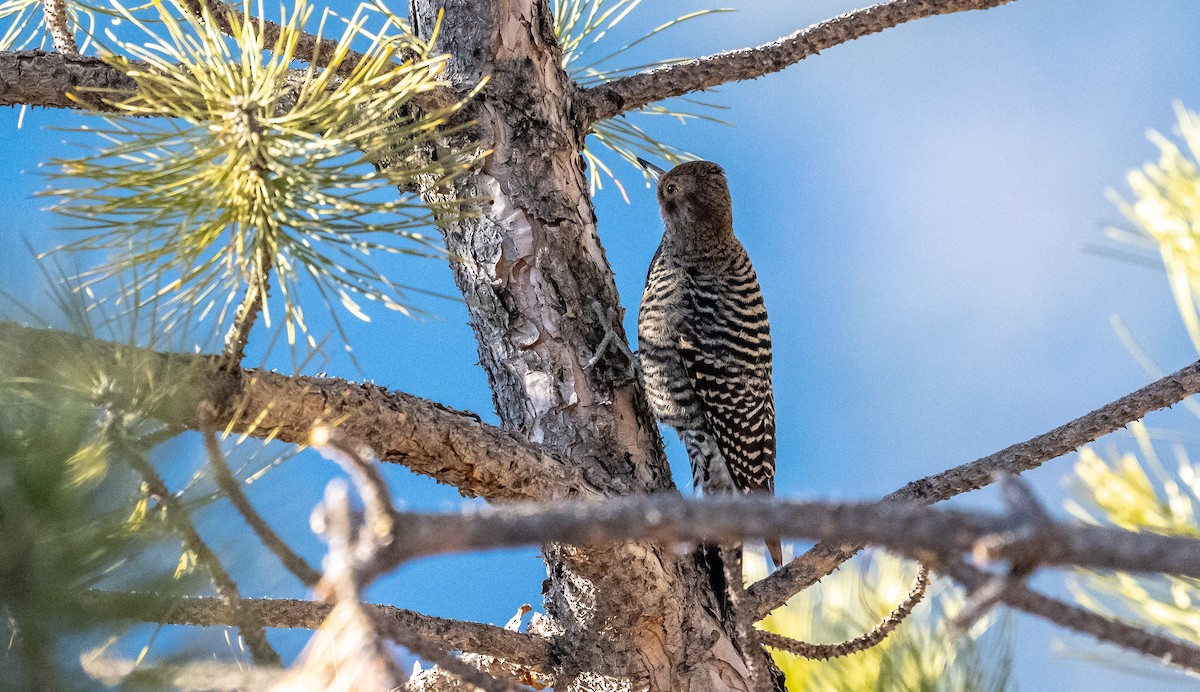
x,y
610,341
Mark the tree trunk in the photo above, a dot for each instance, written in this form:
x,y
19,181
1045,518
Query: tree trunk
x,y
541,296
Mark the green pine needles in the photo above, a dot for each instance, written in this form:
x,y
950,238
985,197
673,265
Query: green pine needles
x,y
581,26
247,167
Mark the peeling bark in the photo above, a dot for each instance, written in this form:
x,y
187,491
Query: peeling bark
x,y
531,267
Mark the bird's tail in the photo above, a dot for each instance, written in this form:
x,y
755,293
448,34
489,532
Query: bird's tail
x,y
776,550
709,560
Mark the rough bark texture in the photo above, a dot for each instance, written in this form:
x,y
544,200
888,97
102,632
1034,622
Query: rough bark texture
x,y
45,79
541,298
451,446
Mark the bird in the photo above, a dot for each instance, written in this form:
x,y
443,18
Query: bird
x,y
704,341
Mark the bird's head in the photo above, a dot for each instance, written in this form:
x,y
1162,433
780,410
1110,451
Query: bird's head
x,y
693,194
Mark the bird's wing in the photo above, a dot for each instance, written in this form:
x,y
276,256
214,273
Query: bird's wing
x,y
726,351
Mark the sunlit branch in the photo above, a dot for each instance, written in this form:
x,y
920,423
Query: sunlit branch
x,y
823,558
59,25
451,446
613,98
821,652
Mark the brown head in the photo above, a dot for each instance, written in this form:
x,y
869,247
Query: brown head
x,y
694,199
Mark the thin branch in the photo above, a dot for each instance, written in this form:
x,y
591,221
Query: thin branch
x,y
361,558
308,48
348,648
247,313
635,91
1167,650
452,446
346,652
527,650
59,25
823,558
822,652
180,520
232,489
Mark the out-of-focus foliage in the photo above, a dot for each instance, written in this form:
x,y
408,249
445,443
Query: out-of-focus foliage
x,y
1140,495
581,26
1165,211
1135,490
923,653
255,167
65,502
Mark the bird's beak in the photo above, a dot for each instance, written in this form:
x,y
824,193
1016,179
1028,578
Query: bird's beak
x,y
654,171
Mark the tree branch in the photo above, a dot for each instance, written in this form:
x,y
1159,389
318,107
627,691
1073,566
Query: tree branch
x,y
59,25
776,589
180,520
822,652
1167,650
38,78
232,489
527,650
915,531
936,537
451,446
635,91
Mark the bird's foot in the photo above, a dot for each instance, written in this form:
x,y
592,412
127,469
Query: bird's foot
x,y
612,341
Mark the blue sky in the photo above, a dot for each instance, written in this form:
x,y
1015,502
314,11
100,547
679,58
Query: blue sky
x,y
918,205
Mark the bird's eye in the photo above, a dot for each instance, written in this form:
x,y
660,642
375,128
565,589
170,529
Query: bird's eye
x,y
671,189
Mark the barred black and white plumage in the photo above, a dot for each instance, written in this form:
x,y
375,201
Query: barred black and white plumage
x,y
704,341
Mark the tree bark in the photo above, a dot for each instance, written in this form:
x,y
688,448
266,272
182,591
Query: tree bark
x,y
541,297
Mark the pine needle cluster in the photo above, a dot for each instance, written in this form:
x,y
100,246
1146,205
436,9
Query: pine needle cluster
x,y
241,167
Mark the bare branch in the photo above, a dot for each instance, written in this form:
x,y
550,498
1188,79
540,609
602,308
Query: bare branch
x,y
822,652
195,675
308,48
1167,650
451,446
248,311
635,91
287,613
936,537
776,589
912,530
232,489
38,78
59,25
348,652
180,520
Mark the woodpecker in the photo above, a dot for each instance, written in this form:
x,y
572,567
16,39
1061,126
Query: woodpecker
x,y
703,338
